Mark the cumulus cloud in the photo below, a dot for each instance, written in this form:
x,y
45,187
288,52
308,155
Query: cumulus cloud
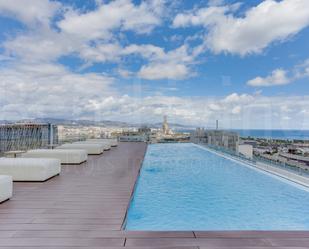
x,y
268,22
302,70
34,84
91,37
46,45
122,14
278,77
33,90
50,90
30,12
172,64
164,71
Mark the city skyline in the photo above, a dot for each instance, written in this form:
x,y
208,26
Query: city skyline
x,y
137,61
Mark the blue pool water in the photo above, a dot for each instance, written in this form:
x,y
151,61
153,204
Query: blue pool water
x,y
186,187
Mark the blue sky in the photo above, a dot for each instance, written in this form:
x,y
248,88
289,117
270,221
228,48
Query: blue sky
x,y
245,63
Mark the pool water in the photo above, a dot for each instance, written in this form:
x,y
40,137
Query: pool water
x,y
187,187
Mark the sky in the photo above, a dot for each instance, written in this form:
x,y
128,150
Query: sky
x,y
245,63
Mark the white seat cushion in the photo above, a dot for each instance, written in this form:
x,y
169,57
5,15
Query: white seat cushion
x,y
113,142
106,145
92,149
65,156
30,169
6,187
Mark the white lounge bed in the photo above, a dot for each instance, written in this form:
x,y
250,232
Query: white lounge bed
x,y
92,149
112,141
30,169
106,145
6,188
65,156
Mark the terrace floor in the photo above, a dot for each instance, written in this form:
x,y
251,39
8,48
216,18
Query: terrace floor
x,y
86,205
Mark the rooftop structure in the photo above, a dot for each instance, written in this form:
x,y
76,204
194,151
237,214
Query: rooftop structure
x,y
85,207
26,136
225,139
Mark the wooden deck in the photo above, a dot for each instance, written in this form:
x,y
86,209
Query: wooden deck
x,y
85,207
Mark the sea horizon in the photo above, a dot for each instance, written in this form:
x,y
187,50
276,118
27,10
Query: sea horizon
x,y
284,134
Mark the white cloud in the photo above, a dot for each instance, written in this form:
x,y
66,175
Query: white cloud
x,y
44,45
32,90
164,71
237,98
302,70
236,110
107,52
278,77
125,73
204,17
30,12
34,85
121,14
50,90
173,64
268,22
91,36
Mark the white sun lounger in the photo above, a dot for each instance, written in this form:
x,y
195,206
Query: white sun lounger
x,y
106,145
92,149
65,156
6,188
113,142
30,169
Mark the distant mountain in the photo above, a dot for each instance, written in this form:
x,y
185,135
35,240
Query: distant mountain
x,y
103,123
5,122
173,126
81,122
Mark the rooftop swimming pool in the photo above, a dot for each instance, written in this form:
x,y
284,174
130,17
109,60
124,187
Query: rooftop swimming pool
x,y
187,187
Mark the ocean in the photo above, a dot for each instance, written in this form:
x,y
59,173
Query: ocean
x,y
276,134
271,134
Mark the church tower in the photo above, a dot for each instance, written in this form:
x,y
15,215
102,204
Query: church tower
x,y
165,127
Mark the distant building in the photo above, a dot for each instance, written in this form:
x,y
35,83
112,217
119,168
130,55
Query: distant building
x,y
219,138
199,136
226,139
27,136
246,150
132,136
144,130
165,128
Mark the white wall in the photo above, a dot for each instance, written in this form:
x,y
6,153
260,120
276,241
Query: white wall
x,y
246,150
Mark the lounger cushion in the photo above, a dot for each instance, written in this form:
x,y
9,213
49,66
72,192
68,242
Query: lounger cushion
x,y
30,169
65,156
113,142
92,149
106,145
6,187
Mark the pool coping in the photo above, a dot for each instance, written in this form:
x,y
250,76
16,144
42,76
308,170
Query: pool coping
x,y
124,223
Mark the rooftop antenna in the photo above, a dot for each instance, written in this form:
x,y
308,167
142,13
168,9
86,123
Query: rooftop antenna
x,y
217,124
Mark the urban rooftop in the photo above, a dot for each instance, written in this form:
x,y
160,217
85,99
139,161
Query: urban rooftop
x,y
154,124
77,193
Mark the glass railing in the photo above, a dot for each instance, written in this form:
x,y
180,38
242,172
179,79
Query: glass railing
x,y
281,165
255,160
